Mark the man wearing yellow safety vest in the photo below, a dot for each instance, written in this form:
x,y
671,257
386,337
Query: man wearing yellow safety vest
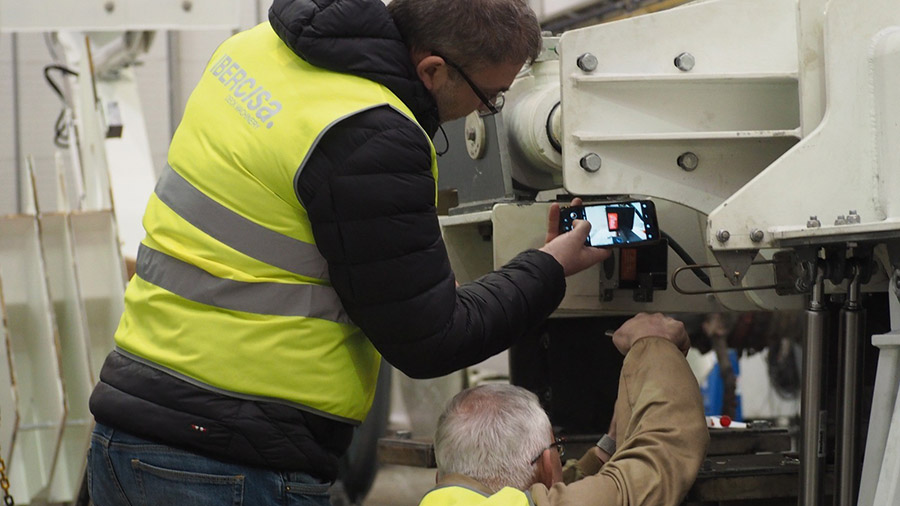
x,y
494,445
292,241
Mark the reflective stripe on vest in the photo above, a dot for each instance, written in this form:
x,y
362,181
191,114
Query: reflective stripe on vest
x,y
231,292
236,231
185,280
458,495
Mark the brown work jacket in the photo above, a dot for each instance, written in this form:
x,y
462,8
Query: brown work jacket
x,y
662,439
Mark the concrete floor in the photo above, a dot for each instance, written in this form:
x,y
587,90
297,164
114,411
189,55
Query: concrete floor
x,y
399,486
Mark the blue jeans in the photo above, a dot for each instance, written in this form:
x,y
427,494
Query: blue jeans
x,y
124,470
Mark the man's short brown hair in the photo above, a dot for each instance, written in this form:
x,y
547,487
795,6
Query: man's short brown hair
x,y
474,33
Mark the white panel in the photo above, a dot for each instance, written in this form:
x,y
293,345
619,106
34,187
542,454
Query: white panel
x,y
851,161
131,173
199,46
263,13
9,407
252,13
39,107
35,356
33,49
7,186
101,275
5,48
736,107
195,49
7,135
152,80
887,379
73,337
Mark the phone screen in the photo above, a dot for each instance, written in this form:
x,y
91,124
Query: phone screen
x,y
615,223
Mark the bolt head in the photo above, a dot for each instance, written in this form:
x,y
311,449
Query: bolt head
x,y
587,62
813,222
187,5
590,162
109,6
684,62
723,235
756,235
688,161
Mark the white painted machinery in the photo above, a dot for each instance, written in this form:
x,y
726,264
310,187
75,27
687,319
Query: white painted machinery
x,y
768,133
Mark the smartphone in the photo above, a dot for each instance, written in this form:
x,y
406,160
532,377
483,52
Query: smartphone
x,y
614,224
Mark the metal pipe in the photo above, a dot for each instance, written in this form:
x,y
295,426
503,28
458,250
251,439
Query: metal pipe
x,y
812,442
848,444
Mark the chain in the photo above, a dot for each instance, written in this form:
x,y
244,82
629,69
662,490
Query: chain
x,y
4,484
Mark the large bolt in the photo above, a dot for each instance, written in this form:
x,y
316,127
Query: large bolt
x,y
853,217
723,235
840,220
813,222
684,62
587,62
688,161
590,162
756,235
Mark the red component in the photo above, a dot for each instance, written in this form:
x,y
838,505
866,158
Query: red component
x,y
612,219
725,420
628,264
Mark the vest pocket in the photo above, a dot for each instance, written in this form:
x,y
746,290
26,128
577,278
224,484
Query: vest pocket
x,y
159,486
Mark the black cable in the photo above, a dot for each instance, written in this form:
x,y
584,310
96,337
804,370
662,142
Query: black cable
x,y
686,258
52,83
60,131
446,142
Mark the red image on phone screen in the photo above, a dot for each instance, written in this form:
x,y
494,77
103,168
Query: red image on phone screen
x,y
612,220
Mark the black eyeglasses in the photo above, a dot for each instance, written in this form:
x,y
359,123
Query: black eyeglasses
x,y
559,443
493,104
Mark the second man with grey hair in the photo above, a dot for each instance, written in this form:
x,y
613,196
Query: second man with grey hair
x,y
494,444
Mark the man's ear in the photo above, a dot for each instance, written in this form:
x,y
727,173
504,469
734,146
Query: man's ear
x,y
545,468
432,70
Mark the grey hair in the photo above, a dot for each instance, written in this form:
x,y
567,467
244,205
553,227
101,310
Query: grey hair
x,y
492,433
473,33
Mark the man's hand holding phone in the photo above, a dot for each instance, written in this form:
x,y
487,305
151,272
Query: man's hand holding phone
x,y
569,249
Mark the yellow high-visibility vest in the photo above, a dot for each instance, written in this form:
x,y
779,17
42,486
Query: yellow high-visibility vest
x,y
231,293
462,496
